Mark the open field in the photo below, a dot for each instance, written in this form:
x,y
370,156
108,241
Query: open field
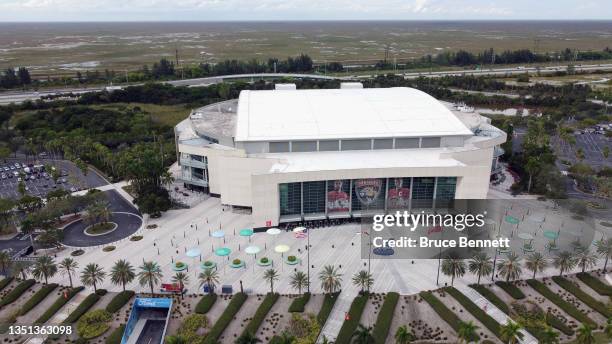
x,y
163,114
58,48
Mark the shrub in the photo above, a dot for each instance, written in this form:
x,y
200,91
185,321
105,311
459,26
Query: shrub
x,y
236,261
136,238
557,323
119,301
260,313
190,326
116,335
511,289
491,297
349,326
61,301
582,296
557,300
299,303
476,311
446,314
94,324
205,303
226,317
292,258
264,260
108,248
5,282
37,298
328,304
83,307
14,294
77,252
101,292
595,283
385,316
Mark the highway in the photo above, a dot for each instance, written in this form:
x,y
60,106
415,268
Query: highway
x,y
21,96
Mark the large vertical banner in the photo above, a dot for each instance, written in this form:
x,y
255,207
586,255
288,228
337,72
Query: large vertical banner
x,y
338,195
369,193
398,193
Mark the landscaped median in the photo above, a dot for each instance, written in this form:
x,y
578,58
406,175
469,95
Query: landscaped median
x,y
476,311
299,303
582,296
59,303
83,307
385,316
5,282
37,298
595,283
116,335
226,317
260,313
206,303
119,301
14,294
354,316
446,314
557,300
491,297
328,304
511,289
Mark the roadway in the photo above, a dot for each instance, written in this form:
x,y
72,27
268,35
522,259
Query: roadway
x,y
21,96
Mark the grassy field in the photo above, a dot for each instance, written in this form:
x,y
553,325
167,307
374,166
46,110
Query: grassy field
x,y
163,114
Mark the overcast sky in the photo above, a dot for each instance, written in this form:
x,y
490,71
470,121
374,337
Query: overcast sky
x,y
219,10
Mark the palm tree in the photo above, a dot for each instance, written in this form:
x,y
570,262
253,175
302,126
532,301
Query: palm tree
x,y
331,279
536,262
480,265
285,338
564,261
363,279
5,261
403,335
604,249
326,341
608,328
150,274
22,268
175,340
467,331
510,267
363,335
585,259
247,338
271,275
180,278
453,267
68,266
298,281
122,273
585,335
549,336
92,275
210,278
44,267
511,332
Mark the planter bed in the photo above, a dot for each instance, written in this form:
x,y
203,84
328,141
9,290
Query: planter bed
x,y
260,313
206,303
14,294
385,317
83,307
511,289
491,297
582,296
476,311
570,309
595,283
444,312
37,298
328,304
59,303
212,337
354,316
119,300
299,303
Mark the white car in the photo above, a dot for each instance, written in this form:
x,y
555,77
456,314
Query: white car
x,y
19,179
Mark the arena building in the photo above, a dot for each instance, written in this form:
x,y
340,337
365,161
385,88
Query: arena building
x,y
293,155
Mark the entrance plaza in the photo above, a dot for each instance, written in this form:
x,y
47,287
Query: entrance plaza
x,y
217,233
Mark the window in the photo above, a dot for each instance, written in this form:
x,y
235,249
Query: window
x,y
368,194
398,193
329,145
290,195
338,193
422,192
383,143
407,143
314,197
430,142
279,147
365,144
197,173
303,146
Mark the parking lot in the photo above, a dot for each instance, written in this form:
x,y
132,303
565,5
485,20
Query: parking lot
x,y
39,182
592,145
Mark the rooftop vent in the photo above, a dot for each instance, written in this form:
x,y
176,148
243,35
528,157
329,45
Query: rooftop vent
x,y
351,85
284,87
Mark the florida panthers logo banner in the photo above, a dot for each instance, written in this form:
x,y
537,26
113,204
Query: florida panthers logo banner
x,y
368,190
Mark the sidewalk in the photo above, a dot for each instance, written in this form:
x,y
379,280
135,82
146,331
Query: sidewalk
x,y
336,318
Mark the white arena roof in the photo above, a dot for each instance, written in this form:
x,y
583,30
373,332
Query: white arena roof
x,y
278,115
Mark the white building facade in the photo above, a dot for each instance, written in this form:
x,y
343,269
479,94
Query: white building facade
x,y
294,155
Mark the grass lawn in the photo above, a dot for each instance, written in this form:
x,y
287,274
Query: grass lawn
x,y
100,228
163,114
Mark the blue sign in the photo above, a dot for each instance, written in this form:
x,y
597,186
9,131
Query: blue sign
x,y
153,302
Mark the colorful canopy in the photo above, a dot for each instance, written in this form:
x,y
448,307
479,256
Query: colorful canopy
x,y
223,251
551,234
273,231
525,236
299,229
194,252
511,219
281,248
252,249
218,234
246,232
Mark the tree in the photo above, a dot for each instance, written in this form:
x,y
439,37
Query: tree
x,y
24,76
210,278
299,281
585,259
536,262
247,338
606,151
532,166
122,273
585,334
92,275
175,340
363,335
467,331
271,275
510,267
364,280
181,279
511,332
604,249
564,261
150,274
21,188
453,267
68,266
5,261
22,268
481,265
331,279
403,335
44,267
549,336
608,328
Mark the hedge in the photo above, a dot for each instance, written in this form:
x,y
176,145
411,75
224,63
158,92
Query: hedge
x,y
446,314
61,301
385,316
5,282
37,298
116,335
119,301
557,300
206,303
260,313
299,303
582,296
595,283
511,289
14,294
554,321
349,326
476,311
226,317
83,307
491,297
328,304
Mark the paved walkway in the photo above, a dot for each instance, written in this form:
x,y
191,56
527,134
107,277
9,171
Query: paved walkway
x,y
336,318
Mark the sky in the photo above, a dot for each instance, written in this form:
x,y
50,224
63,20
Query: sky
x,y
226,10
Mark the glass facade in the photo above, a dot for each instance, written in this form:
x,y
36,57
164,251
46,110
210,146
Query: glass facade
x,y
423,192
338,199
290,195
368,194
314,197
398,193
445,191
